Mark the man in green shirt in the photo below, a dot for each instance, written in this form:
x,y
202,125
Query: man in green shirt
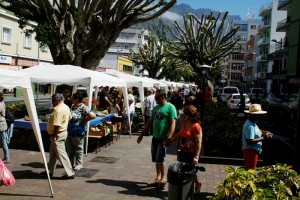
x,y
163,118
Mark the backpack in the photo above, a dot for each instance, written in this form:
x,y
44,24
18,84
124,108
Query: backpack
x,y
9,117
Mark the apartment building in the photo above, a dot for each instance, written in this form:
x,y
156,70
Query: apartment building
x,y
18,50
268,75
236,63
286,56
117,55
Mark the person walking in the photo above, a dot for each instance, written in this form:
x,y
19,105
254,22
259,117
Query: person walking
x,y
77,130
57,129
190,140
149,104
163,118
3,131
252,136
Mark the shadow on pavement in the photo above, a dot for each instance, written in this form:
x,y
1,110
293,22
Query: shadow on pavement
x,y
28,174
34,165
134,188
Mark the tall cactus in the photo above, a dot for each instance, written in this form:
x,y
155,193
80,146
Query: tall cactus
x,y
203,41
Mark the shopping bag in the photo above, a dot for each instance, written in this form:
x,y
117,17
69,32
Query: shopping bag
x,y
6,176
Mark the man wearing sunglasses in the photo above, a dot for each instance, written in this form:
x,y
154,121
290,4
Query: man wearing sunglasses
x,y
163,120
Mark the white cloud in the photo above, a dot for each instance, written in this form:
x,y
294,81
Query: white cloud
x,y
171,16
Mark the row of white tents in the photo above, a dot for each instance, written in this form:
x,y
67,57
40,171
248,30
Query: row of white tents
x,y
71,75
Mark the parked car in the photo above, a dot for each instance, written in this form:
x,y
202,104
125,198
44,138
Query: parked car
x,y
226,91
219,94
256,94
234,100
270,100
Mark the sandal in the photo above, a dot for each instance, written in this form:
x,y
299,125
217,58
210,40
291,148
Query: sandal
x,y
197,187
161,184
153,183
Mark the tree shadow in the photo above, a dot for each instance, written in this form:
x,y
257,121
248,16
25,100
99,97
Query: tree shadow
x,y
134,188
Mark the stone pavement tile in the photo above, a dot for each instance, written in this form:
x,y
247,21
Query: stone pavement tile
x,y
125,179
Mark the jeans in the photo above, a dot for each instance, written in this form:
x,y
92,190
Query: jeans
x,y
5,141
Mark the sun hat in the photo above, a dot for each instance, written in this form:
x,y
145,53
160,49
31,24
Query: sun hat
x,y
255,109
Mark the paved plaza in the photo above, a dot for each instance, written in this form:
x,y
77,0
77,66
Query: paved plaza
x,y
119,171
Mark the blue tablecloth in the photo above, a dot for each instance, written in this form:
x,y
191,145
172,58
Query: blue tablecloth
x,y
22,123
99,119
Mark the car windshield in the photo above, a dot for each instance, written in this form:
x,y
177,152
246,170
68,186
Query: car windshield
x,y
230,90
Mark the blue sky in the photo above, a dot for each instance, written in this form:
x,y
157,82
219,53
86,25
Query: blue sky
x,y
234,7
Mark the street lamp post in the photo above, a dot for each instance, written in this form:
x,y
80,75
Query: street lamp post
x,y
204,74
280,61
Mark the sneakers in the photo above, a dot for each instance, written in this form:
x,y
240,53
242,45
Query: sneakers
x,y
77,168
66,177
6,160
44,174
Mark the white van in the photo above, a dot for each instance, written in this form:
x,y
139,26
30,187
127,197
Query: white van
x,y
256,93
227,91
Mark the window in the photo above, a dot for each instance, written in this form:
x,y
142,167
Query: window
x,y
28,41
6,35
139,36
253,27
126,46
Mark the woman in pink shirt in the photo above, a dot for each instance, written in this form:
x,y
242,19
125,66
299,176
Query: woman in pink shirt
x,y
190,139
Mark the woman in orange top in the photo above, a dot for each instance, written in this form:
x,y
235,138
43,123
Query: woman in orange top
x,y
190,141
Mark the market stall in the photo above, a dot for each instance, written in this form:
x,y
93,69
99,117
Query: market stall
x,y
74,75
10,79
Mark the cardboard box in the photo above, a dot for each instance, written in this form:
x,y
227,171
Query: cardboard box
x,y
98,133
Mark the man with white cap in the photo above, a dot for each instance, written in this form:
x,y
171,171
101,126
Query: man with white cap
x,y
131,111
252,136
149,104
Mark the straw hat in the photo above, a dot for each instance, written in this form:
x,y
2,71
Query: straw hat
x,y
255,109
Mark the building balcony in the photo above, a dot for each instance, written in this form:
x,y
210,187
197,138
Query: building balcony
x,y
284,5
265,9
261,75
265,24
262,58
283,24
250,51
249,63
263,41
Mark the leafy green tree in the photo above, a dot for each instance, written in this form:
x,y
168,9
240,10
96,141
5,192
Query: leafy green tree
x,y
203,41
80,32
154,56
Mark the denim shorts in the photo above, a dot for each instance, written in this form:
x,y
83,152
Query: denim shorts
x,y
158,150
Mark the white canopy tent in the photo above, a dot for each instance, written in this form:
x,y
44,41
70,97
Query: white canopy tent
x,y
73,75
157,83
10,79
133,81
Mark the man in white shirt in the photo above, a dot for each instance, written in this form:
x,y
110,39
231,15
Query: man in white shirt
x,y
131,111
149,103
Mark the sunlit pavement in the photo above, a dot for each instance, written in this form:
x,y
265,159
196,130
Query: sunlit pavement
x,y
119,171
